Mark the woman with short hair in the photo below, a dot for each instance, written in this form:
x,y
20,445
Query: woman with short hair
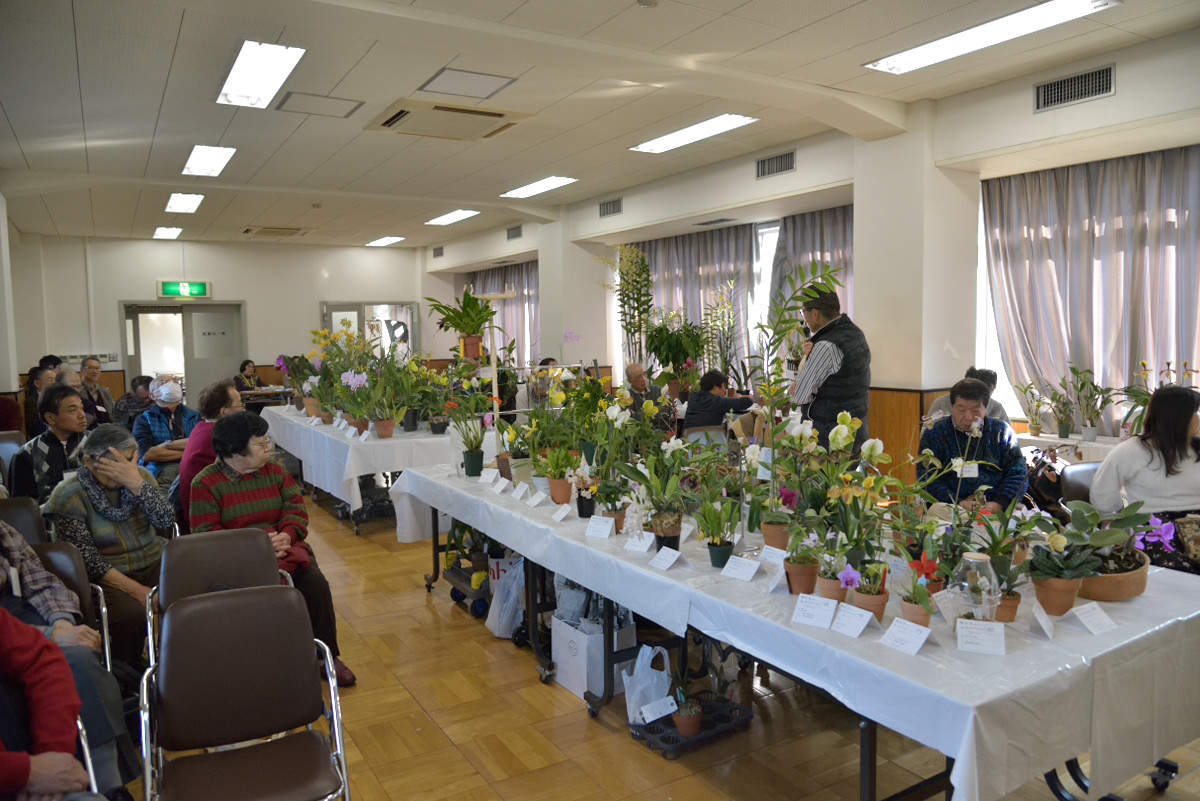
x,y
112,510
1160,468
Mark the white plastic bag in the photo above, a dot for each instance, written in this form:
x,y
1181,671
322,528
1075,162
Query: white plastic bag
x,y
646,685
508,592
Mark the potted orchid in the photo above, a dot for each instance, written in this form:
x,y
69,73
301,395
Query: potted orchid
x,y
659,488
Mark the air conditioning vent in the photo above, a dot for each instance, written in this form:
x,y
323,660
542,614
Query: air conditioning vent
x,y
514,232
444,121
1073,89
718,221
774,165
610,208
438,251
269,232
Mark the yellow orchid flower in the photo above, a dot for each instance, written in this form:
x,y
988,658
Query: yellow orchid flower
x,y
649,409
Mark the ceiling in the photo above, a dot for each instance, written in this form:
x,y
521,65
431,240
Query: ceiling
x,y
102,100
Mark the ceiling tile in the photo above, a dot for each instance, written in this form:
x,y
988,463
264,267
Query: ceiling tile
x,y
30,216
789,15
722,39
651,28
114,209
71,211
493,10
574,19
1167,21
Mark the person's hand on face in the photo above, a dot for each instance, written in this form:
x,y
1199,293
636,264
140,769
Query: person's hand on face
x,y
116,468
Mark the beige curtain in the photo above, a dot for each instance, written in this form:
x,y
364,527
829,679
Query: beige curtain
x,y
518,318
1096,265
817,237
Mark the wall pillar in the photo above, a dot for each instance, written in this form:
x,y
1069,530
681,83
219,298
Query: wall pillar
x,y
8,329
574,318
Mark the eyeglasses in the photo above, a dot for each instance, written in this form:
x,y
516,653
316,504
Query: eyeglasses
x,y
262,444
235,406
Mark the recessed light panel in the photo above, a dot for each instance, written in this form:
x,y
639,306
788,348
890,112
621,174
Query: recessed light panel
x,y
1023,23
538,187
383,242
694,133
463,83
455,216
181,203
258,73
208,161
167,233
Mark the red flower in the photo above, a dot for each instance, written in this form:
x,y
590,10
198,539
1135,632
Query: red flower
x,y
925,567
451,405
495,400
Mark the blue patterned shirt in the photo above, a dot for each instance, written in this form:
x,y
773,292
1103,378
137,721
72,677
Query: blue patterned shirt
x,y
1002,466
157,426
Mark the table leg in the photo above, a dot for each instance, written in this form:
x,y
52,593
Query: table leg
x,y
535,605
612,657
1059,790
868,732
438,549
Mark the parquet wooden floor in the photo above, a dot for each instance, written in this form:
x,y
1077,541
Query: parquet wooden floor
x,y
443,711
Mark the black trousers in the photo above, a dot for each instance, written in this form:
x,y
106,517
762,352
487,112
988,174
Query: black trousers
x,y
127,619
317,596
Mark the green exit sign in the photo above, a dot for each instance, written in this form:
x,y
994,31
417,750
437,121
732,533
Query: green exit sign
x,y
184,289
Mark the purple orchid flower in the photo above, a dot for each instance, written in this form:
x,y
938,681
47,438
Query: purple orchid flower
x,y
281,365
850,578
1163,534
354,380
789,498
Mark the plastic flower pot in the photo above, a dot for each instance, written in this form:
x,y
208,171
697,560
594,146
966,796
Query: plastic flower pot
x,y
1064,430
472,463
410,420
585,506
719,555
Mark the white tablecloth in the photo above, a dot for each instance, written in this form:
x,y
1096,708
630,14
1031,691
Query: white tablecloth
x,y
1081,452
333,462
1129,695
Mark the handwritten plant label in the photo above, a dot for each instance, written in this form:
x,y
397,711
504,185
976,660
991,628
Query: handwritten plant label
x,y
812,610
501,486
601,527
905,637
562,513
740,568
1093,617
852,621
664,559
521,491
980,636
488,475
639,543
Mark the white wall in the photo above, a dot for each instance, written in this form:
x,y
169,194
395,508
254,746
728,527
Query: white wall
x,y
282,286
9,366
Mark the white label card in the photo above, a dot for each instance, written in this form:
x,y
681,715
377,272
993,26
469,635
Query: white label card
x,y
366,435
536,499
812,610
852,621
740,568
601,527
521,491
14,580
488,475
777,573
350,433
1042,621
664,559
341,423
639,543
685,531
562,512
772,556
905,636
947,604
1095,618
314,421
501,486
659,709
980,636
764,472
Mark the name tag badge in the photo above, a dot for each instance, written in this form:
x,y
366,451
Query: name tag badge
x,y
970,470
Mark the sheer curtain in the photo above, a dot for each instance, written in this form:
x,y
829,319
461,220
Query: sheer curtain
x,y
821,237
519,318
1096,265
690,271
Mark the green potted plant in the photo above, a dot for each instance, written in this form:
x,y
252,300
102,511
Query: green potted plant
x,y
557,467
465,413
1092,398
635,298
870,587
674,341
661,489
1035,405
805,549
469,316
916,600
689,715
1062,408
1124,566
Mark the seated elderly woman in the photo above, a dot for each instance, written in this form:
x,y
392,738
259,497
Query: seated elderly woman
x,y
111,510
1160,468
247,378
245,489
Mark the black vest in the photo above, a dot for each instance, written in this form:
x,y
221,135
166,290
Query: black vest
x,y
849,389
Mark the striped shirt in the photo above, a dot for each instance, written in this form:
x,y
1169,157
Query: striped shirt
x,y
269,498
824,360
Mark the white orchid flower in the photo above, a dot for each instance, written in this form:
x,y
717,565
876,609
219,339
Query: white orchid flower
x,y
976,428
844,418
753,454
673,445
872,449
957,463
797,426
841,437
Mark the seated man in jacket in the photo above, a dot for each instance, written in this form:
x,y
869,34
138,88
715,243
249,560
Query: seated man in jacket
x,y
709,406
39,600
40,464
976,452
162,431
245,489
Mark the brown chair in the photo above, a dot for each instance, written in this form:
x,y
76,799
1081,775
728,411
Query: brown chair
x,y
237,667
64,560
10,443
1076,481
208,562
25,516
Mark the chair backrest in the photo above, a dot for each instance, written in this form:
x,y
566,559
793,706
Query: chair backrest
x,y
64,560
1076,480
235,666
216,560
708,435
10,443
25,516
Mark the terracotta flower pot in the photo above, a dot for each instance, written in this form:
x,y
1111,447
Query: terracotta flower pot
x,y
776,535
471,347
1021,554
801,579
831,588
1117,586
935,587
1007,611
312,407
618,519
327,418
1035,429
875,604
360,425
1057,596
384,429
915,613
560,491
689,726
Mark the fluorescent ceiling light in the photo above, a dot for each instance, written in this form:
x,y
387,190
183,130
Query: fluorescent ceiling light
x,y
167,233
208,161
181,203
455,216
538,187
383,242
1031,20
694,133
258,73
